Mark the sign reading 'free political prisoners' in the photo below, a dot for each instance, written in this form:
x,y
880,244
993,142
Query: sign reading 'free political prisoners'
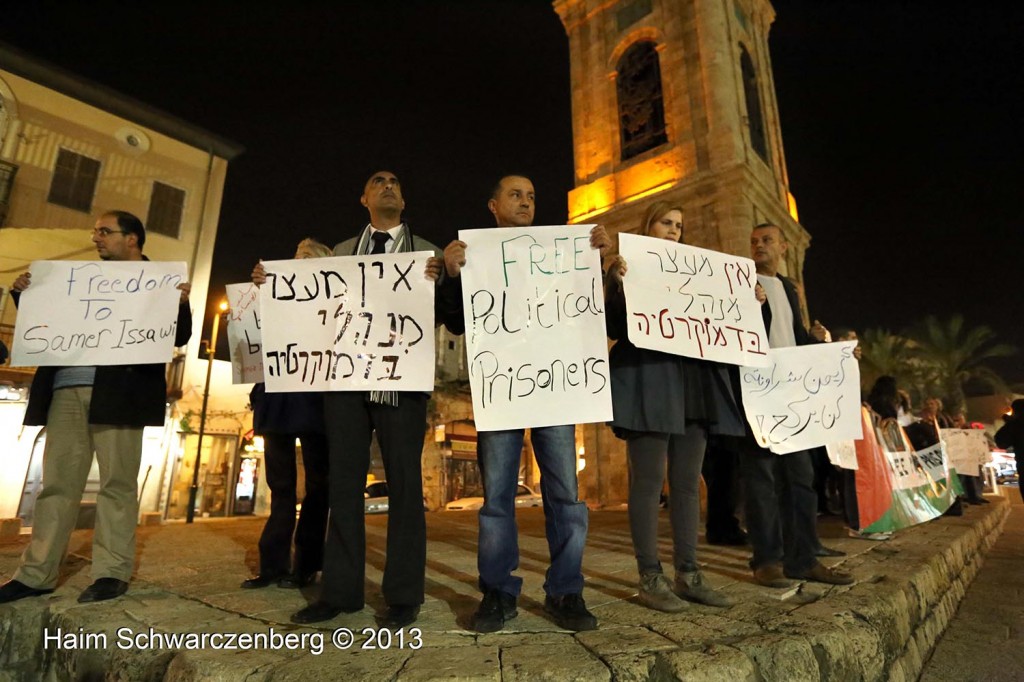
x,y
244,336
98,313
808,396
535,331
693,302
351,323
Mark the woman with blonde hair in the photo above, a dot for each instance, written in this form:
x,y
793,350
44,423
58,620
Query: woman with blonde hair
x,y
664,407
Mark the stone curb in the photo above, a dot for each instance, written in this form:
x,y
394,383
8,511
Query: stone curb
x,y
881,628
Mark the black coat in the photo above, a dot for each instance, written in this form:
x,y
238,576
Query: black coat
x,y
123,395
801,335
298,413
1011,435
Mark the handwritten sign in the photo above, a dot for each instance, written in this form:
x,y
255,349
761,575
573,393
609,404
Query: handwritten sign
x,y
689,301
808,396
244,335
968,450
535,330
98,313
843,454
352,323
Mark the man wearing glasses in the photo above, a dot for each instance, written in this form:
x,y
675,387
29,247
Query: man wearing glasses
x,y
88,410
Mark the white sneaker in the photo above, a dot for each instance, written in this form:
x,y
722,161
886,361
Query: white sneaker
x,y
885,535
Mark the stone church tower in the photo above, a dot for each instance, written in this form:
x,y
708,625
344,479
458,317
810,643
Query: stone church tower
x,y
674,100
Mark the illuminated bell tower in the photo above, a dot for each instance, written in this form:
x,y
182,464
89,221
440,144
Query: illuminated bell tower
x,y
674,100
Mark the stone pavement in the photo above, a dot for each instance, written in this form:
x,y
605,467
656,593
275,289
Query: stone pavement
x,y
985,641
187,582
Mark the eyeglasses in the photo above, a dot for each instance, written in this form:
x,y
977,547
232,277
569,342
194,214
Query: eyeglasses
x,y
106,232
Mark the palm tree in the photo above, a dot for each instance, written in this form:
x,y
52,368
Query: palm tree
x,y
885,353
957,354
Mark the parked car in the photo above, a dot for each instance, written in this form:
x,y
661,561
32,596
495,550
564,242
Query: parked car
x,y
376,498
524,498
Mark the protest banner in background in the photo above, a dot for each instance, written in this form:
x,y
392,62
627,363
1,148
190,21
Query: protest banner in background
x,y
98,313
968,450
689,301
535,331
806,397
352,323
920,484
244,336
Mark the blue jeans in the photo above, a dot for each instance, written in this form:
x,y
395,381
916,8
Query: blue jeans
x,y
565,517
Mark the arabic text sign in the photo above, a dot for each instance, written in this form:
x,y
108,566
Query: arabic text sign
x,y
244,336
352,323
808,396
98,313
689,301
535,328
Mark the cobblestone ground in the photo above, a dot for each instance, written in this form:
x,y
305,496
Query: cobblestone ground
x,y
985,641
187,581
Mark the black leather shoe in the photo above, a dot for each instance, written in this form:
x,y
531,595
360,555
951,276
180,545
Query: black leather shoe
x,y
495,609
317,612
398,616
294,581
13,590
261,580
102,590
828,551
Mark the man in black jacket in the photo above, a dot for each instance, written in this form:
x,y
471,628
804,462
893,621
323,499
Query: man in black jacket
x,y
781,503
88,410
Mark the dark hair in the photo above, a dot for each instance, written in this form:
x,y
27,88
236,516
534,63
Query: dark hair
x,y
129,224
884,397
496,190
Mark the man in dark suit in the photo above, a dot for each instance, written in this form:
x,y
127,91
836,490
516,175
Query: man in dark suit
x,y
399,418
87,410
781,503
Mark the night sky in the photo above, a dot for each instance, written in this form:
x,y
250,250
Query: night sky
x,y
898,120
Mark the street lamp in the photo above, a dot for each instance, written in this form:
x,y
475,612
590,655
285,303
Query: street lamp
x,y
211,348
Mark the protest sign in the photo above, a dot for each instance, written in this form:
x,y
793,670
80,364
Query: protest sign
x,y
98,313
807,396
244,336
535,331
689,301
843,454
968,450
352,323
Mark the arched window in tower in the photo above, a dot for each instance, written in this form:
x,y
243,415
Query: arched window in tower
x,y
641,109
755,119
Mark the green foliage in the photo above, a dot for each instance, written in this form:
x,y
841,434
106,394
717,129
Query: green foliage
x,y
934,358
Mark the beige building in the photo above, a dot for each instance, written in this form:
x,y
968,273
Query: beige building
x,y
674,100
69,150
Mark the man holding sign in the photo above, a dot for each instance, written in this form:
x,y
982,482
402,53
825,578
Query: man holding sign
x,y
500,453
88,409
781,503
399,419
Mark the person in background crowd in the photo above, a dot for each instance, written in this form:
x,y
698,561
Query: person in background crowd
x,y
925,432
512,203
974,486
1011,434
281,418
664,406
93,410
781,505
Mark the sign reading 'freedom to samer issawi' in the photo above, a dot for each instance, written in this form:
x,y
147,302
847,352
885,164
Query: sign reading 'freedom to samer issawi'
x,y
535,330
693,302
98,313
349,323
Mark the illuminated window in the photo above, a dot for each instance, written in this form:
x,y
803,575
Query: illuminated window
x,y
641,109
165,209
755,120
74,181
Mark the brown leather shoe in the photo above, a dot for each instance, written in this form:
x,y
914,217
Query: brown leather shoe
x,y
821,573
770,575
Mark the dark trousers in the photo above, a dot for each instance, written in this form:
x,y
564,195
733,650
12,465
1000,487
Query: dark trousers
x,y
851,510
351,421
282,478
781,507
721,475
